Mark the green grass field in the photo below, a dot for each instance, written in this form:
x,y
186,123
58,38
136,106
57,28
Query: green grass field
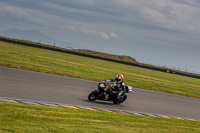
x,y
19,118
41,60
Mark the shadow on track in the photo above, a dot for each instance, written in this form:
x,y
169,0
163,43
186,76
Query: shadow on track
x,y
98,102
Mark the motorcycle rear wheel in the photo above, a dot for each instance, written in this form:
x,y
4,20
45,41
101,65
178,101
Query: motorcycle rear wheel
x,y
92,96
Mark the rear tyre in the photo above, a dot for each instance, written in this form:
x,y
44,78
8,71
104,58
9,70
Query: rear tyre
x,y
93,96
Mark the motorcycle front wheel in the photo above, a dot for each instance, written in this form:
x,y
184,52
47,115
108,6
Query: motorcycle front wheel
x,y
119,100
124,97
93,96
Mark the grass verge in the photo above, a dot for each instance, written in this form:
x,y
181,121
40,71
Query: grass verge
x,y
41,60
20,117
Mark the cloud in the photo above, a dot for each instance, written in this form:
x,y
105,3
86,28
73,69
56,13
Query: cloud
x,y
72,28
104,35
13,11
114,35
165,15
22,15
92,32
88,31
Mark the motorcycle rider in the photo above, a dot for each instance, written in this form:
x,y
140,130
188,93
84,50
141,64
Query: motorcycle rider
x,y
119,85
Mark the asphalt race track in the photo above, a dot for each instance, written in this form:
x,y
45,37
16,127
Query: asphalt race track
x,y
21,84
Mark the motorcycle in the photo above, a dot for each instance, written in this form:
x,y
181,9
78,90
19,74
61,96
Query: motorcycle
x,y
109,92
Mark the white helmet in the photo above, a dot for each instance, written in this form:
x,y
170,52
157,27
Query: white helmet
x,y
119,78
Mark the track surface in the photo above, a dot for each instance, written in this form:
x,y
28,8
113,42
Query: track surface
x,y
21,84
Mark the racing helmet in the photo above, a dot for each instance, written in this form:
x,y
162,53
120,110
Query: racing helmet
x,y
119,78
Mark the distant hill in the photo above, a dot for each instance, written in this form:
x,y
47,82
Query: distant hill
x,y
106,55
37,36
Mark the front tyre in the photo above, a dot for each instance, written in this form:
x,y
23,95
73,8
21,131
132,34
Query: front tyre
x,y
93,96
119,100
116,100
124,97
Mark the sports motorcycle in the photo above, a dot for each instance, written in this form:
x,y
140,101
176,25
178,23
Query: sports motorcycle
x,y
109,92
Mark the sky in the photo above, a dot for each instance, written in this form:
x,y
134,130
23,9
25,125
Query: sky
x,y
158,32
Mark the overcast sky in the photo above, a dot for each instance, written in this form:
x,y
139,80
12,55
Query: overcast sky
x,y
160,32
